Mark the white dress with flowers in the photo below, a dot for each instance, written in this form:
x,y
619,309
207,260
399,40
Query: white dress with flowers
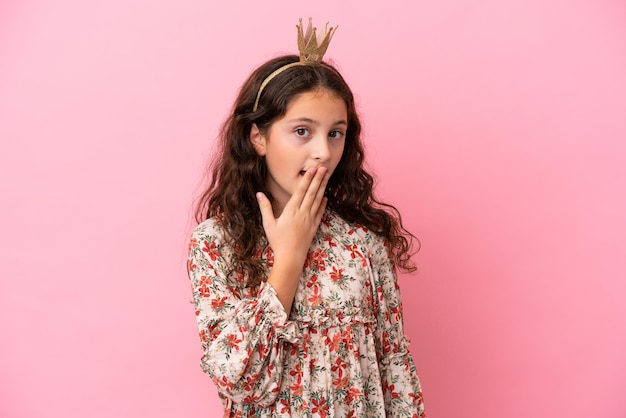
x,y
340,353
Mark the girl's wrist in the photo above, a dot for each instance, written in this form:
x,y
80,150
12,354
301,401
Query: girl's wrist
x,y
290,258
284,278
288,264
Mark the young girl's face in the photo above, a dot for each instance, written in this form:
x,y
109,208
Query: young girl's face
x,y
310,134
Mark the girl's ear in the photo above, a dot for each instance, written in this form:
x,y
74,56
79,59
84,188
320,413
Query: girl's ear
x,y
257,140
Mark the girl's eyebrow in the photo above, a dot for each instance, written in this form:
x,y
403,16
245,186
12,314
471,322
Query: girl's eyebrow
x,y
316,123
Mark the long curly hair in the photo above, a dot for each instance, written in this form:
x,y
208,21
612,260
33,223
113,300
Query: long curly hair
x,y
237,172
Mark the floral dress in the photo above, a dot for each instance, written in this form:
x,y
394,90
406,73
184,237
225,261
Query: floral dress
x,y
341,352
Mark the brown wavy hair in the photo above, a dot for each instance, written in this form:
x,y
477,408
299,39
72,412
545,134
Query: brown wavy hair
x,y
237,172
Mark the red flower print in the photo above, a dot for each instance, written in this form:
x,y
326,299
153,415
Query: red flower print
x,y
339,366
224,383
329,240
293,350
258,316
193,244
353,395
386,316
340,383
315,299
218,302
340,316
204,292
347,340
396,311
312,281
247,358
233,341
316,260
203,287
320,407
336,275
381,293
394,395
354,249
417,399
297,372
296,389
211,250
262,349
249,382
285,406
251,400
334,343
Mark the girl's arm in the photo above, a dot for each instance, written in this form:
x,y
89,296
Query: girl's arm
x,y
243,332
290,234
401,385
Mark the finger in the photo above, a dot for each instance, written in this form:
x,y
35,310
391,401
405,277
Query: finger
x,y
302,187
319,196
267,214
320,211
313,189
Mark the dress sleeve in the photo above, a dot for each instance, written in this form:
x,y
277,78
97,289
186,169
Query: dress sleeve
x,y
243,332
401,385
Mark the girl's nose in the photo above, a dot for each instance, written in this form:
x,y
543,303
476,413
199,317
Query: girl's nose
x,y
321,150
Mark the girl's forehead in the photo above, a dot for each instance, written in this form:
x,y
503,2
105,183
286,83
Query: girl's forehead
x,y
315,100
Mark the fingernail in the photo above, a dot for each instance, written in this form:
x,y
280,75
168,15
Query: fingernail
x,y
259,196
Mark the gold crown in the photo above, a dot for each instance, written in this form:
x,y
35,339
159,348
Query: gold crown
x,y
312,48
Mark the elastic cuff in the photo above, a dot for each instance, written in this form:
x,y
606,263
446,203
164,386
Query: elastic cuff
x,y
284,328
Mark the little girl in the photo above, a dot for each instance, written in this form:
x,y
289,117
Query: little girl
x,y
293,266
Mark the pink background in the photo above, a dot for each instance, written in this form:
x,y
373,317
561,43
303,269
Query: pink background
x,y
497,127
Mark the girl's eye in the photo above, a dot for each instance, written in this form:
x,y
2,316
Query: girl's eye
x,y
302,132
336,134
